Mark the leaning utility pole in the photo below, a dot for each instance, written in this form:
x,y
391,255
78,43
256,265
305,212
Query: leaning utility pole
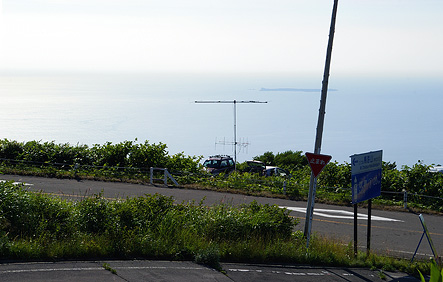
x,y
321,118
235,102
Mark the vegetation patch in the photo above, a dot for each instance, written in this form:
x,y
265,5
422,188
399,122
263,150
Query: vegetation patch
x,y
129,161
34,226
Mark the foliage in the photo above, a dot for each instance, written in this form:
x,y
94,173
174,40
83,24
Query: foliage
x,y
436,272
130,161
148,226
31,215
36,226
336,175
289,160
127,154
267,158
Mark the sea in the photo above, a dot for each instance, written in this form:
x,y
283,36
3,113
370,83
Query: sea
x,y
275,112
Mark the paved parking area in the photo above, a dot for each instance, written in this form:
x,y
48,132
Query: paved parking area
x,y
146,270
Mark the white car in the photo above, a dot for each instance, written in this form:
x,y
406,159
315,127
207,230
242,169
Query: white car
x,y
265,170
436,169
277,171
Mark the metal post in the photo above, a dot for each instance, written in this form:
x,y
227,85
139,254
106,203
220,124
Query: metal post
x,y
405,199
321,117
76,167
310,208
355,230
422,235
235,135
368,241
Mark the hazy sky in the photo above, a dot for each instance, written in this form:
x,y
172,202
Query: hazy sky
x,y
394,37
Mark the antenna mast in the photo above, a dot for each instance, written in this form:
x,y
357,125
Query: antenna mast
x,y
235,102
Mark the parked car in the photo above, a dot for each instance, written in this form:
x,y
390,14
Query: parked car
x,y
277,171
436,169
255,167
219,164
264,170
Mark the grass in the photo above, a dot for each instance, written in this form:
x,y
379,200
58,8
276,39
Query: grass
x,y
34,226
109,268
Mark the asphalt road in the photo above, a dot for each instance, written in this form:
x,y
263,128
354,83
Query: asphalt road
x,y
172,271
395,233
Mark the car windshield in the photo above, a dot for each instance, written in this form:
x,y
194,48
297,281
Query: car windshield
x,y
212,163
255,164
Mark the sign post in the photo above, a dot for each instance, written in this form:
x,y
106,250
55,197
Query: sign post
x,y
317,162
321,119
366,173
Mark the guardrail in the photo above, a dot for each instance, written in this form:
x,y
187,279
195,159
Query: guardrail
x,y
76,167
405,195
166,175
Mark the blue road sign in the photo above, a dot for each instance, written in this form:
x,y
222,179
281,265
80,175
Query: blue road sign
x,y
366,176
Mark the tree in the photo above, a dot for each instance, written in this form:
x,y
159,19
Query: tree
x,y
267,158
291,160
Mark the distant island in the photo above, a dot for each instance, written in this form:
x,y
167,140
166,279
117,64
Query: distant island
x,y
295,89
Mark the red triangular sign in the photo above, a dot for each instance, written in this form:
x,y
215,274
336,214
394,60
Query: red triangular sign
x,y
317,162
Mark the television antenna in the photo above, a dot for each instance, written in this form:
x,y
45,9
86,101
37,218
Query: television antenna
x,y
235,102
242,144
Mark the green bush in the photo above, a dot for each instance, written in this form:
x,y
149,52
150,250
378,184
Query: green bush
x,y
142,212
124,227
36,226
289,160
10,149
336,175
124,154
33,214
96,215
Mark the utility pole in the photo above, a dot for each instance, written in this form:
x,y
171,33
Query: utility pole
x,y
235,102
321,118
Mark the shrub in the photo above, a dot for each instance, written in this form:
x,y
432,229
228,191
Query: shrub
x,y
123,154
10,149
33,214
96,215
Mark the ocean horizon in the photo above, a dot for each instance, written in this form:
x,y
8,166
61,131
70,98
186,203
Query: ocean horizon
x,y
397,115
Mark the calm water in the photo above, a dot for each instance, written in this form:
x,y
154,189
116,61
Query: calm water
x,y
400,116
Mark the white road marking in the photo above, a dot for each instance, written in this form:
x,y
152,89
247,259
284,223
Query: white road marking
x,y
300,273
17,183
52,269
322,273
96,269
342,214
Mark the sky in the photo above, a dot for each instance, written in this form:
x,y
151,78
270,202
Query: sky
x,y
375,37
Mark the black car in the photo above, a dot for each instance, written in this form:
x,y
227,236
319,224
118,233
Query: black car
x,y
219,164
255,167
